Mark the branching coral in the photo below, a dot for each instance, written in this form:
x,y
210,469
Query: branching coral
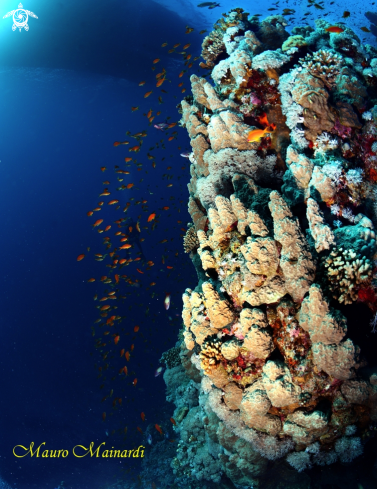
x,y
190,240
323,64
346,273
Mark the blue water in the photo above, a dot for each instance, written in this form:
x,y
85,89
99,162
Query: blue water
x,y
67,86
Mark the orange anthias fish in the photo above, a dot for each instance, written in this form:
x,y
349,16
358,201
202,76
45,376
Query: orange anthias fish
x,y
142,415
103,416
151,217
256,135
136,328
173,421
134,382
112,202
156,60
127,159
147,94
116,339
334,29
141,83
80,257
98,222
160,82
127,355
159,429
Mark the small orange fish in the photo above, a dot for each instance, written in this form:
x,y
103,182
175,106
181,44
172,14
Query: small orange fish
x,y
149,113
122,352
138,227
170,268
127,355
142,83
147,94
139,429
125,247
334,29
90,213
130,185
139,270
127,159
103,416
152,284
98,222
136,148
134,382
116,278
173,421
156,60
136,328
151,217
256,135
166,208
125,370
104,308
181,74
80,257
134,108
116,339
116,143
103,168
112,202
364,29
158,428
142,415
107,227
176,45
92,280
123,260
160,82
132,347
164,44
186,46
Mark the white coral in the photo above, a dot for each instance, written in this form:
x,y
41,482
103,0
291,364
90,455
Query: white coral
x,y
324,143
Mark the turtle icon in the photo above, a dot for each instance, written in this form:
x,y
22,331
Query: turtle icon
x,y
20,17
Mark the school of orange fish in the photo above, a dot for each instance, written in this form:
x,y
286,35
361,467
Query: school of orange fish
x,y
108,316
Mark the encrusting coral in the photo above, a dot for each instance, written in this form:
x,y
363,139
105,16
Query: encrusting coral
x,y
280,239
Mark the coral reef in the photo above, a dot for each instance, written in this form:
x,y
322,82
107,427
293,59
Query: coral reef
x,y
284,238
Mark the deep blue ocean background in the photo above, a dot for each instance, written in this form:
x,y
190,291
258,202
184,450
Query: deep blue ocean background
x,y
67,87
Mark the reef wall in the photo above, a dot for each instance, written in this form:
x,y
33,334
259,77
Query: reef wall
x,y
282,200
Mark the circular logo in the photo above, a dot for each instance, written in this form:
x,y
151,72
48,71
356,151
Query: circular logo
x,y
20,18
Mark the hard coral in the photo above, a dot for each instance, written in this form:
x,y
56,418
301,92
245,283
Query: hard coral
x,y
323,64
190,240
346,274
